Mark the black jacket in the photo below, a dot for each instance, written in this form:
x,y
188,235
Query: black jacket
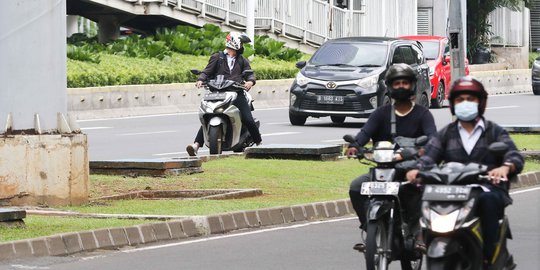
x,y
217,65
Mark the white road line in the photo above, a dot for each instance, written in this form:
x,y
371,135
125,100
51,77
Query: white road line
x,y
332,141
502,107
147,133
237,235
524,191
92,128
279,134
20,266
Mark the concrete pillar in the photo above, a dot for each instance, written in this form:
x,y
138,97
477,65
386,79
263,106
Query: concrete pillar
x,y
250,20
108,29
72,26
43,159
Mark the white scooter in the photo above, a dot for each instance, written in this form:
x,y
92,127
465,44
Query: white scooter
x,y
220,119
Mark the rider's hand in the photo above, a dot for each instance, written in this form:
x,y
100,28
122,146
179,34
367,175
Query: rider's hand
x,y
499,174
398,157
411,176
351,152
199,84
248,85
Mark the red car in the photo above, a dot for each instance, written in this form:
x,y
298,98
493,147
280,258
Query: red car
x,y
436,51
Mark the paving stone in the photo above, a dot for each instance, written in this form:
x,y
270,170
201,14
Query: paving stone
x,y
321,210
11,214
147,232
176,229
190,229
240,220
331,209
56,245
103,238
534,178
275,216
287,214
350,208
88,241
252,218
228,223
215,225
311,214
119,237
72,242
161,231
298,213
6,251
341,208
133,235
39,247
22,249
264,217
538,177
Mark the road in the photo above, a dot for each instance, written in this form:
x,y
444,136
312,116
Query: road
x,y
165,136
317,245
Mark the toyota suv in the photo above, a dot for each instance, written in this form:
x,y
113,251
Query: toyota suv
x,y
345,78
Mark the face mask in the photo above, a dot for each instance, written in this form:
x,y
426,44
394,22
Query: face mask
x,y
466,110
401,94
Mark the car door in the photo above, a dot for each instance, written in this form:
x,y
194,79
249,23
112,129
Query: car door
x,y
446,68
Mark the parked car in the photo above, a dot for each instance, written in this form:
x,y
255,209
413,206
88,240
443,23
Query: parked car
x,y
437,53
536,76
345,78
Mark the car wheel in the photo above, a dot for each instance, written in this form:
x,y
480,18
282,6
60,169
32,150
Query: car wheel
x,y
297,120
438,102
386,100
337,119
536,90
424,100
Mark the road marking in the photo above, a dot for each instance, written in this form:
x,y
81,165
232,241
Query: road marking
x,y
285,123
238,235
331,141
502,107
20,266
147,133
524,191
279,134
92,128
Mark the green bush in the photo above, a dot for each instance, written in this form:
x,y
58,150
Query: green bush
x,y
532,57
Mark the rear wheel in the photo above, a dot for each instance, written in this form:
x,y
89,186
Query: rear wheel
x,y
438,102
297,120
377,257
337,119
536,90
214,140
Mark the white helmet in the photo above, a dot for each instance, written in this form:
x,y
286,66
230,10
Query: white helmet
x,y
234,40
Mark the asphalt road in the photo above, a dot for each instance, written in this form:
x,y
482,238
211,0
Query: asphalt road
x,y
318,245
166,136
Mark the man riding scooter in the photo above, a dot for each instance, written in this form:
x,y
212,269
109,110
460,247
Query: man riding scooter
x,y
231,64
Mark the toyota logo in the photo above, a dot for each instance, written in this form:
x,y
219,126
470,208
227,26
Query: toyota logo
x,y
331,85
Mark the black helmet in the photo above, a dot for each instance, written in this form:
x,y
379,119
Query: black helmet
x,y
469,85
400,71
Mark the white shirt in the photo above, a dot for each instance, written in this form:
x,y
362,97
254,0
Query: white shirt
x,y
230,60
470,140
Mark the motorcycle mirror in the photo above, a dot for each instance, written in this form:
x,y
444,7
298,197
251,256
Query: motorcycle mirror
x,y
498,148
195,71
446,60
349,138
300,64
421,141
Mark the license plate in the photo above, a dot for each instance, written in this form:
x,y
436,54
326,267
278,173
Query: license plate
x,y
379,188
215,96
330,100
446,193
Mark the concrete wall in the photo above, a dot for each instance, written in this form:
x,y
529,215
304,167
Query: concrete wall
x,y
44,170
512,57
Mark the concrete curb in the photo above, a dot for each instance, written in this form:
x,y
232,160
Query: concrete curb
x,y
116,238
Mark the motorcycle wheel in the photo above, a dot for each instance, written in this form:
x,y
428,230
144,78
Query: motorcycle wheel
x,y
376,246
214,140
407,264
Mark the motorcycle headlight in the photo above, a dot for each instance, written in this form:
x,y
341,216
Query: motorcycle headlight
x,y
301,80
443,223
221,107
368,82
464,212
383,155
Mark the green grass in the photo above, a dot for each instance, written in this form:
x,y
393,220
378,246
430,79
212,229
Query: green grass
x,y
526,141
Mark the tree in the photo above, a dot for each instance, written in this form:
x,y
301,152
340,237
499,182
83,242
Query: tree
x,y
478,27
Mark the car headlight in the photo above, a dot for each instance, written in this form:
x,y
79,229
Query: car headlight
x,y
368,82
431,71
301,80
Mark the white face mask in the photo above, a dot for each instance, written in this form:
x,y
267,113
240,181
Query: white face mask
x,y
466,110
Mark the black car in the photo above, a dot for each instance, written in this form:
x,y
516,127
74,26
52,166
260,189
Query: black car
x,y
345,78
536,76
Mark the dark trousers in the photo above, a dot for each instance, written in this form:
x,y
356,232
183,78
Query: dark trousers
x,y
247,120
409,195
490,210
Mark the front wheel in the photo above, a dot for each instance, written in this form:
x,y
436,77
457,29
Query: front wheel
x,y
377,249
407,264
215,140
297,120
337,119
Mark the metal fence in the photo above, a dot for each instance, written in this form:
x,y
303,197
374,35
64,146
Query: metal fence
x,y
507,27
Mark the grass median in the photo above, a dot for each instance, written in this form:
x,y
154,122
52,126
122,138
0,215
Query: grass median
x,y
283,182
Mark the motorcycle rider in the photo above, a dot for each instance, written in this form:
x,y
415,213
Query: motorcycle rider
x,y
466,140
410,121
231,64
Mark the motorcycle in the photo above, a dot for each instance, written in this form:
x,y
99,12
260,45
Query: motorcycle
x,y
449,219
389,237
220,118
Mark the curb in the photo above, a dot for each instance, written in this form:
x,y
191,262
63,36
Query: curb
x,y
116,238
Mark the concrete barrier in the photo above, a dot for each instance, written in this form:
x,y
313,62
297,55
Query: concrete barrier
x,y
132,100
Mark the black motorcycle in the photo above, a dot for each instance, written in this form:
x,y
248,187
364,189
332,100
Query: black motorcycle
x,y
452,227
388,235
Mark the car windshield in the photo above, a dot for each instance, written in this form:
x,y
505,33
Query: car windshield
x,y
431,49
350,54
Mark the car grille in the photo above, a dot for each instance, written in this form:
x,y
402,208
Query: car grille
x,y
351,103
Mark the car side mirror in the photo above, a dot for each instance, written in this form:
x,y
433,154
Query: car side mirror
x,y
498,148
301,64
196,71
446,60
